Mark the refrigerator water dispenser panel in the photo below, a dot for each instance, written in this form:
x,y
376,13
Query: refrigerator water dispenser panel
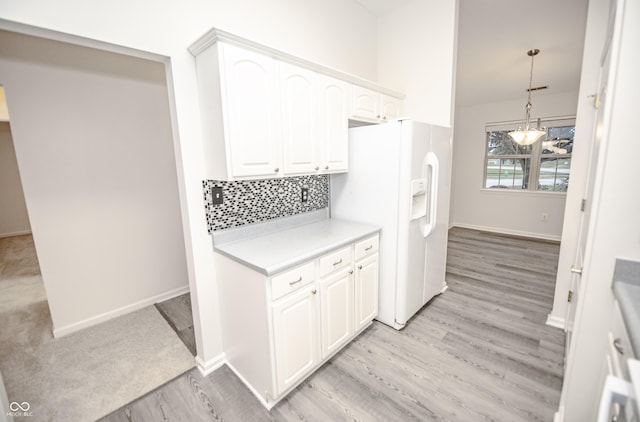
x,y
418,198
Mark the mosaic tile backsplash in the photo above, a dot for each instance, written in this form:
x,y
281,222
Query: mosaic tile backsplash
x,y
254,201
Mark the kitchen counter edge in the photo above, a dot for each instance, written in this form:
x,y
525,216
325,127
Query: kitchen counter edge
x,y
289,247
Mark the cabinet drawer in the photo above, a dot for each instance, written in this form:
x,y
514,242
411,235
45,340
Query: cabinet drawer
x,y
291,280
366,247
335,261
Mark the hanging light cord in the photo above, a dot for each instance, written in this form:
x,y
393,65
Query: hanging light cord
x,y
531,53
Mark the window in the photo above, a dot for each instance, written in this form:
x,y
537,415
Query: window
x,y
542,166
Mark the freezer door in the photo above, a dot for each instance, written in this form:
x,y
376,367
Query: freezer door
x,y
436,247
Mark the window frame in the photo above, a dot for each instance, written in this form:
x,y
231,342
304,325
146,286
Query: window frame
x,y
535,156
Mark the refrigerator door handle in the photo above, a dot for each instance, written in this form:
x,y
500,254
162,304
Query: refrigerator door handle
x,y
431,171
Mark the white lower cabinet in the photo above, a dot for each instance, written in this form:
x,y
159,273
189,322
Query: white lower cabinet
x,y
337,311
366,281
295,330
277,330
366,291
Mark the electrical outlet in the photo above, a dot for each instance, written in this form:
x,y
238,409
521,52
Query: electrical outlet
x,y
305,194
544,217
216,195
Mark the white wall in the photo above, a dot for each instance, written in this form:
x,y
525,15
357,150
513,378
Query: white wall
x,y
14,219
495,210
92,135
614,226
324,31
417,53
589,79
334,33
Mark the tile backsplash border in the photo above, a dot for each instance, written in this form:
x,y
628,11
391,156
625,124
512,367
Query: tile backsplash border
x,y
253,201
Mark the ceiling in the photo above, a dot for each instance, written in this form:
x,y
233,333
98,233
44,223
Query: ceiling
x,y
494,37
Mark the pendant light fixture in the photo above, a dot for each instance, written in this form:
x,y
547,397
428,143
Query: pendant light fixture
x,y
528,136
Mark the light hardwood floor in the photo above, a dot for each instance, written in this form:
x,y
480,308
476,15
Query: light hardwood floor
x,y
479,352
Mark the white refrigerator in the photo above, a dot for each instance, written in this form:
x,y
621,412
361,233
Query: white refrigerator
x,y
400,179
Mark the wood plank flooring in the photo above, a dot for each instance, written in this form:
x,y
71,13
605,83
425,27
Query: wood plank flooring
x,y
479,352
177,312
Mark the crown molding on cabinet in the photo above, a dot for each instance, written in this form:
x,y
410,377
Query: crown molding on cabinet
x,y
214,35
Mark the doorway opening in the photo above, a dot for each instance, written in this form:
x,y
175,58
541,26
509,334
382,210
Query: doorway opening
x,y
23,301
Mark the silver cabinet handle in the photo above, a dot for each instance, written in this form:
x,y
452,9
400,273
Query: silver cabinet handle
x,y
359,267
617,344
369,248
576,270
314,291
326,167
291,283
338,262
350,271
277,169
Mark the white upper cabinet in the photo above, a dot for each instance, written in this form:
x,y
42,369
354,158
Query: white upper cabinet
x,y
300,138
315,122
365,103
250,98
391,107
240,113
265,113
372,106
334,110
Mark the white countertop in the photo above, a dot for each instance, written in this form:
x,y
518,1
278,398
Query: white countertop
x,y
279,250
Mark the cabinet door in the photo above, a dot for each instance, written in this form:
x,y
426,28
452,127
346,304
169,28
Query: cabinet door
x,y
334,124
295,329
366,291
366,103
252,114
299,119
391,107
336,297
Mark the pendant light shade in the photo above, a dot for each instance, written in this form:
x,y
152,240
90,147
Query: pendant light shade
x,y
528,136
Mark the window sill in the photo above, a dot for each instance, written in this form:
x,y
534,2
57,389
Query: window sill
x,y
523,192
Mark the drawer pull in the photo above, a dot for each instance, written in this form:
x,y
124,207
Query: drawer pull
x,y
314,291
350,271
291,283
359,267
617,344
338,262
369,248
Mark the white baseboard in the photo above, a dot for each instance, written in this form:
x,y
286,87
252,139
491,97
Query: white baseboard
x,y
507,231
555,321
267,404
19,233
77,326
207,367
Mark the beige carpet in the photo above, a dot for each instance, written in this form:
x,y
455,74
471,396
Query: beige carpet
x,y
85,375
